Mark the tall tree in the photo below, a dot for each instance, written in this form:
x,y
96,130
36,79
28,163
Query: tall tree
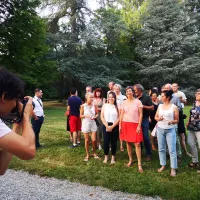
x,y
23,43
168,50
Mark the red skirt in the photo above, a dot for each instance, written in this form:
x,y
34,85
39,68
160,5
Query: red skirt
x,y
129,134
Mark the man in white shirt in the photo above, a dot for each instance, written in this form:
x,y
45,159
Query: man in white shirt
x,y
11,142
88,89
38,115
179,94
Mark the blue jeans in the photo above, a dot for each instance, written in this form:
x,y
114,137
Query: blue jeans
x,y
167,136
145,131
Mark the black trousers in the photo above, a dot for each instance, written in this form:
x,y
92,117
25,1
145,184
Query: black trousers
x,y
36,125
110,138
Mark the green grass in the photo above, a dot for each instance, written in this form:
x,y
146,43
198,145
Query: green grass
x,y
57,160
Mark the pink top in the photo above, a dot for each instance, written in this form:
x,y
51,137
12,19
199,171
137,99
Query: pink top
x,y
131,110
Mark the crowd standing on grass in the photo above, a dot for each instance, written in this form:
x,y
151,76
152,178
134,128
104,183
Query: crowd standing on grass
x,y
118,117
131,117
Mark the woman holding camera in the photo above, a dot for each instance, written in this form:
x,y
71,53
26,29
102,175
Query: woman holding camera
x,y
11,143
89,113
110,119
167,117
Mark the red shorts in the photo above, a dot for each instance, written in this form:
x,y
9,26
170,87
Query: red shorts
x,y
74,123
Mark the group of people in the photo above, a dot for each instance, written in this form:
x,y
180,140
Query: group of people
x,y
128,118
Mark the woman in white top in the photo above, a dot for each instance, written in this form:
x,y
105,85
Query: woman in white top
x,y
119,98
167,117
110,119
89,113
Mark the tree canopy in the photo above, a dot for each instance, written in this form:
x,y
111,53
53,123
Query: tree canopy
x,y
149,42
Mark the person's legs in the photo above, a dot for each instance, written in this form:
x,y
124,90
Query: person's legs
x,y
73,128
114,136
86,136
36,125
121,145
161,137
138,153
183,143
99,132
94,135
106,139
171,142
145,131
192,139
78,130
178,147
129,150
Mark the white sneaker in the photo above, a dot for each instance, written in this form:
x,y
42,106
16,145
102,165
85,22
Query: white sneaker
x,y
100,148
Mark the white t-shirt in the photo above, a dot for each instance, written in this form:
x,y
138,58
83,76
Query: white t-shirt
x,y
4,129
38,110
110,113
120,99
180,95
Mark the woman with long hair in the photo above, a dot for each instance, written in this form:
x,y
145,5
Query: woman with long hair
x,y
167,117
89,113
110,119
130,126
98,102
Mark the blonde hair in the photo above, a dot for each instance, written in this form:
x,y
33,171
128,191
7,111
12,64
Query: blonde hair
x,y
87,95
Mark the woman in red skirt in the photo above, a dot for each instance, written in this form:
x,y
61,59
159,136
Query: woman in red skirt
x,y
130,125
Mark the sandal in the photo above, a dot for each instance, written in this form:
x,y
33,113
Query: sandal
x,y
130,163
140,169
112,162
173,174
96,157
86,159
161,169
193,165
105,161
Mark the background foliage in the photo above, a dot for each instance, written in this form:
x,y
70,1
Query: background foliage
x,y
127,41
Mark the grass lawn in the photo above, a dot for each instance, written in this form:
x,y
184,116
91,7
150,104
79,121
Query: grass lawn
x,y
57,160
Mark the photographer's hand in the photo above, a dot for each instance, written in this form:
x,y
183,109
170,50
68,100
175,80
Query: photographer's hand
x,y
29,107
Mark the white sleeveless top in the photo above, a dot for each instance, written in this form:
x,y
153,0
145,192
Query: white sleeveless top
x,y
110,113
168,115
89,111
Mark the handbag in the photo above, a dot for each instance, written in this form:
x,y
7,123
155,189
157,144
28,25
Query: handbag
x,y
153,133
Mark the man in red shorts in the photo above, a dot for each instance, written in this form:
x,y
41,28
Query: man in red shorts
x,y
73,108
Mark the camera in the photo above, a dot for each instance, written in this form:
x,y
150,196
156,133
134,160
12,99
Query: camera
x,y
15,116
